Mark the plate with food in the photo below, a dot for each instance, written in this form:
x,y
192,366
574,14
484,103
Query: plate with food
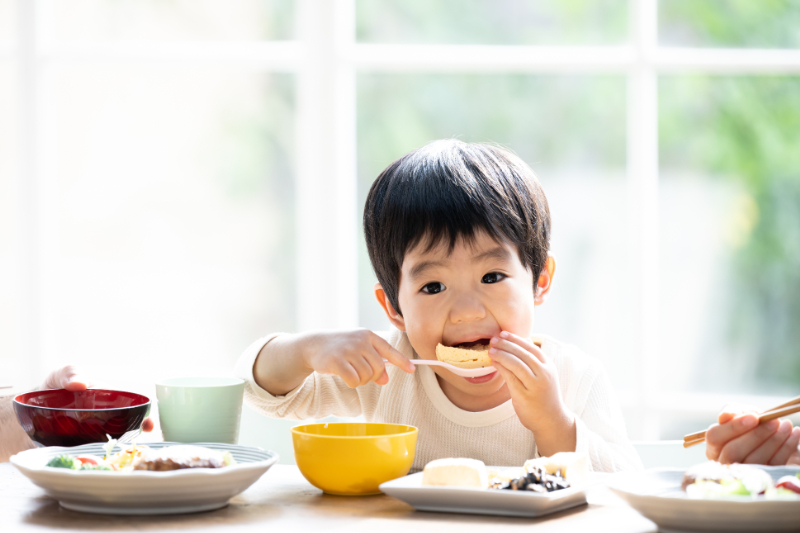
x,y
541,486
157,478
715,497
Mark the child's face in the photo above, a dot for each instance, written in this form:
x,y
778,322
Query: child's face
x,y
470,294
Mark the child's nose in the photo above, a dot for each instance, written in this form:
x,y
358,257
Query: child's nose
x,y
467,309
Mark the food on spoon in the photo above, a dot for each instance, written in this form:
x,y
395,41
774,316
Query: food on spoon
x,y
474,355
572,466
456,473
179,457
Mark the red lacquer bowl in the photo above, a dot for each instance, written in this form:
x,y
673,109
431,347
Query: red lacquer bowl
x,y
60,417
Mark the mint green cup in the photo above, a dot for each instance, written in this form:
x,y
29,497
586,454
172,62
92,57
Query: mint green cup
x,y
200,409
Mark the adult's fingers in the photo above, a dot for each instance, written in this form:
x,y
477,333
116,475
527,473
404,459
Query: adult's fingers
x,y
148,425
720,434
732,410
763,454
386,351
67,377
526,344
737,449
781,457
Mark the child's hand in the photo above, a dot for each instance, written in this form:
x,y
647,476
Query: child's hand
x,y
533,382
355,356
739,438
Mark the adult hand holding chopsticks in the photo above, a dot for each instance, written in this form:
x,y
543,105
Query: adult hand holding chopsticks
x,y
739,438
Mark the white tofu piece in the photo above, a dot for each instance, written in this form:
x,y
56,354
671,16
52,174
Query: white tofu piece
x,y
574,465
456,473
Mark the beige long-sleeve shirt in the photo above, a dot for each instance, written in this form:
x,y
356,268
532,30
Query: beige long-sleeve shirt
x,y
495,436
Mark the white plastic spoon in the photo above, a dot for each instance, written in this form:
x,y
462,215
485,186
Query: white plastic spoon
x,y
463,372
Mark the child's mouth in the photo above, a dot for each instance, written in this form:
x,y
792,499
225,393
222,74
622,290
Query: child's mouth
x,y
482,379
470,344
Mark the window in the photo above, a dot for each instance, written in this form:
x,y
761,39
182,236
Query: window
x,y
178,178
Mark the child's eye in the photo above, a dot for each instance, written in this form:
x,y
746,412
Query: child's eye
x,y
433,288
493,277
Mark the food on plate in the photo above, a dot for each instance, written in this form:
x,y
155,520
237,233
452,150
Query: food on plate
x,y
456,473
543,474
178,457
474,355
547,474
144,458
572,466
714,480
536,479
791,483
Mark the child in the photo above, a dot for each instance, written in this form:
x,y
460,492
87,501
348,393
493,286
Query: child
x,y
458,235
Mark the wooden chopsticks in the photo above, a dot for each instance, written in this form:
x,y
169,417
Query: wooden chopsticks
x,y
784,409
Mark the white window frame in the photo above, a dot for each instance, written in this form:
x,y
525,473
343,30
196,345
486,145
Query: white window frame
x,y
326,59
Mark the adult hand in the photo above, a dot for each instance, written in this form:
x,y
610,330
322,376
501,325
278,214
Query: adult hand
x,y
72,379
737,437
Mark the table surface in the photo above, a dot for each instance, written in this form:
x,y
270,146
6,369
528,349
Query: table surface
x,y
282,500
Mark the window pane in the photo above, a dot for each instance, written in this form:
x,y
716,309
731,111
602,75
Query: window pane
x,y
173,20
174,216
730,233
730,23
549,22
571,130
10,370
8,19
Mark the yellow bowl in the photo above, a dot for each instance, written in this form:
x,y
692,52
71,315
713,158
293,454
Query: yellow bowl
x,y
353,458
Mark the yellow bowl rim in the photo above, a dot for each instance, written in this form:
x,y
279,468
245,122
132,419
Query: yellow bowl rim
x,y
296,430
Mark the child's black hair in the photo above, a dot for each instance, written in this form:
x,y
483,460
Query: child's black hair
x,y
450,189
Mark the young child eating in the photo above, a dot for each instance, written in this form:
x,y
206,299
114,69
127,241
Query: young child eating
x,y
458,235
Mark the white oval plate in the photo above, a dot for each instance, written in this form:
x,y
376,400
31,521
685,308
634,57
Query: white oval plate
x,y
657,495
187,490
483,501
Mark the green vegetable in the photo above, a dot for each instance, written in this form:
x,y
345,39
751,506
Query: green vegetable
x,y
64,461
228,459
87,466
711,489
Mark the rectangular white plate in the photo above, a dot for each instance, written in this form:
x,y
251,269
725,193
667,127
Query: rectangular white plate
x,y
482,501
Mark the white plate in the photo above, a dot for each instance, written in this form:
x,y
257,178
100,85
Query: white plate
x,y
482,501
657,495
143,492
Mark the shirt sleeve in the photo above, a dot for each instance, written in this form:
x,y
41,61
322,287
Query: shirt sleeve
x,y
600,429
318,396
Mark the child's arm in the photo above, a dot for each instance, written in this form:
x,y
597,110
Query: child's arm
x,y
739,438
355,356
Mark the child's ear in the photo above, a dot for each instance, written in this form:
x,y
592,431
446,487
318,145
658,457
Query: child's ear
x,y
394,317
545,281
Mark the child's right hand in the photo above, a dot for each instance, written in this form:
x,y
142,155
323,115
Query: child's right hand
x,y
355,356
739,438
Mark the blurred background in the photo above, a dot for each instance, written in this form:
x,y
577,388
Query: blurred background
x,y
180,177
